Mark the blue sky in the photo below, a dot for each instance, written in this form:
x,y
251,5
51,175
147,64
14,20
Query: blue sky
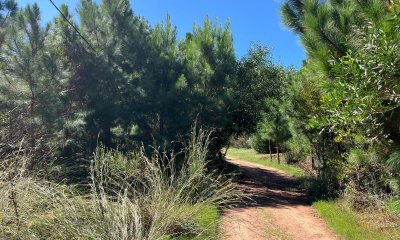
x,y
251,21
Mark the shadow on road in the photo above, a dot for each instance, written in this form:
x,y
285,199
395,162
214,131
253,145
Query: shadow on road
x,y
269,188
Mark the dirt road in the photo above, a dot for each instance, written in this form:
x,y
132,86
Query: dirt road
x,y
278,210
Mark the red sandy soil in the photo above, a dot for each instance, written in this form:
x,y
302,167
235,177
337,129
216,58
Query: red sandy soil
x,y
277,209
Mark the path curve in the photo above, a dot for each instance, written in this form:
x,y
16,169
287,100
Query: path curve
x,y
278,210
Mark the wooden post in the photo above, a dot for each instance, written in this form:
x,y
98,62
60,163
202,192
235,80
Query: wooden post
x,y
227,147
270,150
277,151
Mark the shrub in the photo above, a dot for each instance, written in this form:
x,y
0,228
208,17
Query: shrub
x,y
298,148
368,180
260,144
327,183
364,181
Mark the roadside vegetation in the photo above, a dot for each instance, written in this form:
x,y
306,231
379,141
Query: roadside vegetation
x,y
130,196
338,116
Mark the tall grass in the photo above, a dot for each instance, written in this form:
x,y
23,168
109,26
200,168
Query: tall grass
x,y
132,196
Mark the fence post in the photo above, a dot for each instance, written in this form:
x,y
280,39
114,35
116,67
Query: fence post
x,y
277,151
270,150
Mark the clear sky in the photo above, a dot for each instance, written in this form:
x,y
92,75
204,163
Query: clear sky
x,y
251,21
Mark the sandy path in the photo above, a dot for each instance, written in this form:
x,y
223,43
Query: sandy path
x,y
277,211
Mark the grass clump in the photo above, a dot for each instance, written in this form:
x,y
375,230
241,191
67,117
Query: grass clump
x,y
393,206
132,196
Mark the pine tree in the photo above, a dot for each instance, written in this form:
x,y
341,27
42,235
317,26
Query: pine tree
x,y
8,9
210,66
32,78
121,43
164,88
325,27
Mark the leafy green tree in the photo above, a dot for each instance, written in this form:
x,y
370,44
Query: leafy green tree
x,y
363,100
350,95
257,79
79,60
328,31
258,91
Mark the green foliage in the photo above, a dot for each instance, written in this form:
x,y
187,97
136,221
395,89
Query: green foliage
x,y
329,181
8,8
258,78
368,180
241,142
298,148
347,100
209,68
118,82
260,144
259,94
325,26
394,162
33,82
364,93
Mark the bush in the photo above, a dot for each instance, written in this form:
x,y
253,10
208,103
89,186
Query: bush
x,y
260,144
133,196
328,181
298,148
364,181
293,157
368,180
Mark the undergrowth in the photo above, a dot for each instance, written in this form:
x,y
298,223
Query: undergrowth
x,y
132,196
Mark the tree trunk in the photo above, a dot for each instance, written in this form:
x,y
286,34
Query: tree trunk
x,y
106,131
312,160
31,129
226,150
323,152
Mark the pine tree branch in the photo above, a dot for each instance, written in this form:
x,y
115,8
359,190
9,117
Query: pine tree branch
x,y
73,26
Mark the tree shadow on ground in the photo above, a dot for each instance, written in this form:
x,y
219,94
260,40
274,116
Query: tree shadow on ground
x,y
270,188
